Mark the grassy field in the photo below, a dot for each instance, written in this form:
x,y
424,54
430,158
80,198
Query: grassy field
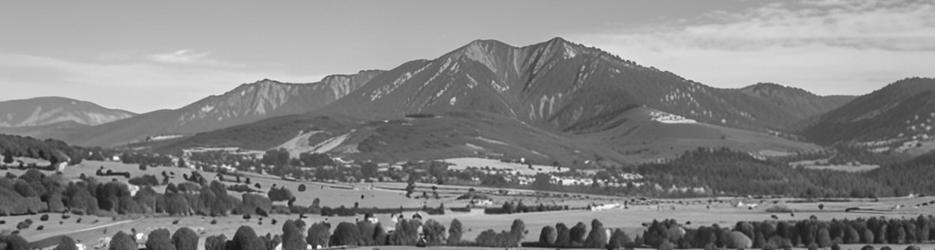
x,y
697,212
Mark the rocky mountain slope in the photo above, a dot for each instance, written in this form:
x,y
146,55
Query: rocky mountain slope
x,y
244,104
559,85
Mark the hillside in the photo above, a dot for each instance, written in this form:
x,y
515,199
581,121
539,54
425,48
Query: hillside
x,y
247,103
897,117
42,111
797,103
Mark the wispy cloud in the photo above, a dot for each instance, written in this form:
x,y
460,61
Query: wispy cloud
x,y
189,57
828,46
145,84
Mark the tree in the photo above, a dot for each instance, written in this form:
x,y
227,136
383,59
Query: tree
x,y
159,240
292,236
245,239
216,242
597,238
739,240
619,240
433,232
518,231
66,243
454,232
14,242
318,235
280,194
824,237
563,235
346,234
276,157
547,236
122,241
7,157
578,234
185,239
368,169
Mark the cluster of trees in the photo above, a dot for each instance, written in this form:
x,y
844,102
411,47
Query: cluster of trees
x,y
509,208
31,193
35,192
53,151
810,233
147,159
913,176
722,171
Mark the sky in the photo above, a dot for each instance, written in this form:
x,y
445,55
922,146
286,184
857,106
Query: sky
x,y
147,55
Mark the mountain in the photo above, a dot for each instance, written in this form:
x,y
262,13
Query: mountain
x,y
244,104
42,111
563,86
897,117
552,101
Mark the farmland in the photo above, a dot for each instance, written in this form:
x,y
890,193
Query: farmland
x,y
723,211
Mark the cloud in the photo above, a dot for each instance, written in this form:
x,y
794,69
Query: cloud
x,y
828,46
189,57
141,85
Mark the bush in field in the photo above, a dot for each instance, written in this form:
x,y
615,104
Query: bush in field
x,y
454,232
122,241
185,239
159,239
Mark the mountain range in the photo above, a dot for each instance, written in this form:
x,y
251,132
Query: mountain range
x,y
551,101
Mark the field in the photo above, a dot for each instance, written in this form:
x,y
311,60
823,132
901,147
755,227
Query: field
x,y
697,212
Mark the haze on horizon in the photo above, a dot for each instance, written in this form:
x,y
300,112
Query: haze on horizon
x,y
144,56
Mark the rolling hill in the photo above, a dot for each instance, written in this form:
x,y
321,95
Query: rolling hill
x,y
42,111
898,117
247,103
